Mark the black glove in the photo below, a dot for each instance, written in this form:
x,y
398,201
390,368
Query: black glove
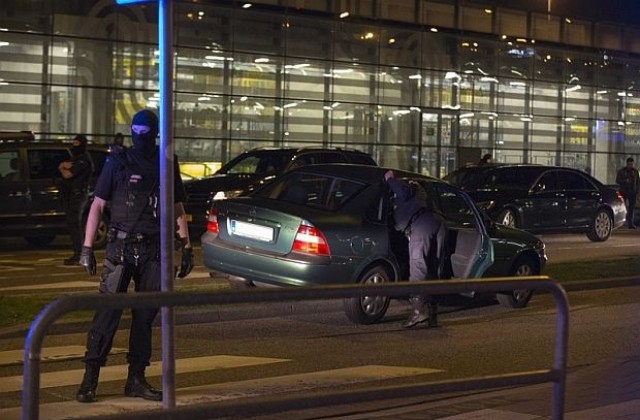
x,y
186,265
88,260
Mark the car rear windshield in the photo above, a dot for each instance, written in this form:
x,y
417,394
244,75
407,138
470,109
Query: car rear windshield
x,y
265,162
313,190
516,177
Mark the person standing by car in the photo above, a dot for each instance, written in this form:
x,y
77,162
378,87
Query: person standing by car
x,y
629,180
487,159
118,142
130,183
425,232
74,189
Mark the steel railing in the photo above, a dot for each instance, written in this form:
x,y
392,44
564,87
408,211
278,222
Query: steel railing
x,y
261,406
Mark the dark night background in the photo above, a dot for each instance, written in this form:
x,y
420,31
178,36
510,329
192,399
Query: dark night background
x,y
627,11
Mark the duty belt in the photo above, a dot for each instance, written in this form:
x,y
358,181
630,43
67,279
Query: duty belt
x,y
414,217
129,237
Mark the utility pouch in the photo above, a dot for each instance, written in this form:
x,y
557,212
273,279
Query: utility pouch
x,y
112,277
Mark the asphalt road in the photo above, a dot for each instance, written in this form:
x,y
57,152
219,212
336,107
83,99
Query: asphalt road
x,y
260,349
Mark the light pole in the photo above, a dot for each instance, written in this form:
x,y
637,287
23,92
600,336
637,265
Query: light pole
x,y
167,216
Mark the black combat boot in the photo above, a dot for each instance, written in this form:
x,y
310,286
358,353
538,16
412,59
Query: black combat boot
x,y
87,391
419,313
137,386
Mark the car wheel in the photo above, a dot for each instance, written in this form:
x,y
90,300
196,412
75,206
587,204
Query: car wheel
x,y
369,309
507,217
39,241
601,227
519,298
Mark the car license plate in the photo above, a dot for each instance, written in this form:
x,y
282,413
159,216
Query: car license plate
x,y
251,230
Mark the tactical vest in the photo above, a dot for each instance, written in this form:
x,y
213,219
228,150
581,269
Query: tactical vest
x,y
135,200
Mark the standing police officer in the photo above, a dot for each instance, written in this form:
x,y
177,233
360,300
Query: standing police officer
x,y
130,182
629,181
74,190
425,232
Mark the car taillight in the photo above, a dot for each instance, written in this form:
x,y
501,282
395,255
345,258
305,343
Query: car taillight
x,y
620,197
212,222
310,240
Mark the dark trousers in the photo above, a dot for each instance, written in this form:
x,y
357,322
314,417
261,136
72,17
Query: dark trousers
x,y
630,202
145,272
73,204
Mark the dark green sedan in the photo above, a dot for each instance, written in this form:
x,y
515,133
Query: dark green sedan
x,y
332,224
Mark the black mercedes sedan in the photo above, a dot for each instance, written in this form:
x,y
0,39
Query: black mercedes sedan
x,y
332,224
543,199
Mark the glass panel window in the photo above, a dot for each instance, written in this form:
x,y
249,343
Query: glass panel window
x,y
577,32
400,48
546,99
303,121
307,79
266,34
544,132
351,124
511,96
309,37
476,19
632,39
252,118
352,82
44,163
545,27
437,14
9,166
255,75
400,11
511,22
355,43
510,135
576,135
608,36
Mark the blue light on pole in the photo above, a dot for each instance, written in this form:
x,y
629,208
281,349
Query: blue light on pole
x,y
133,1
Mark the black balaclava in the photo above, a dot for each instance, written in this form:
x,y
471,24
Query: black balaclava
x,y
81,148
144,142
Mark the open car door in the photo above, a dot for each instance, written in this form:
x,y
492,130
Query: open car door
x,y
468,243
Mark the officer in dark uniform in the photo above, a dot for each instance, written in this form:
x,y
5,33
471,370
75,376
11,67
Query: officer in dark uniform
x,y
130,182
426,234
74,189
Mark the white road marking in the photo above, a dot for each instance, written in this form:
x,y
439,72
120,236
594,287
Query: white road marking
x,y
305,381
119,372
227,391
14,357
65,285
491,414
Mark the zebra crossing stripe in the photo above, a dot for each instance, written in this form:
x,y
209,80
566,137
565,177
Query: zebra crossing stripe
x,y
119,372
15,357
229,390
65,285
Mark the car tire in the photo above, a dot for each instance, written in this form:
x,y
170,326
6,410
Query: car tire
x,y
508,218
39,241
601,227
519,298
368,310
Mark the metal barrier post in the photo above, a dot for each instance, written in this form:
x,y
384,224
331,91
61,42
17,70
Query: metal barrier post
x,y
59,307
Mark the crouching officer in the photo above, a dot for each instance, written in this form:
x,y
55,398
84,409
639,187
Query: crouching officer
x,y
426,233
130,183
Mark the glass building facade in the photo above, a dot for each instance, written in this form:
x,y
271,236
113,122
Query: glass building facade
x,y
423,85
